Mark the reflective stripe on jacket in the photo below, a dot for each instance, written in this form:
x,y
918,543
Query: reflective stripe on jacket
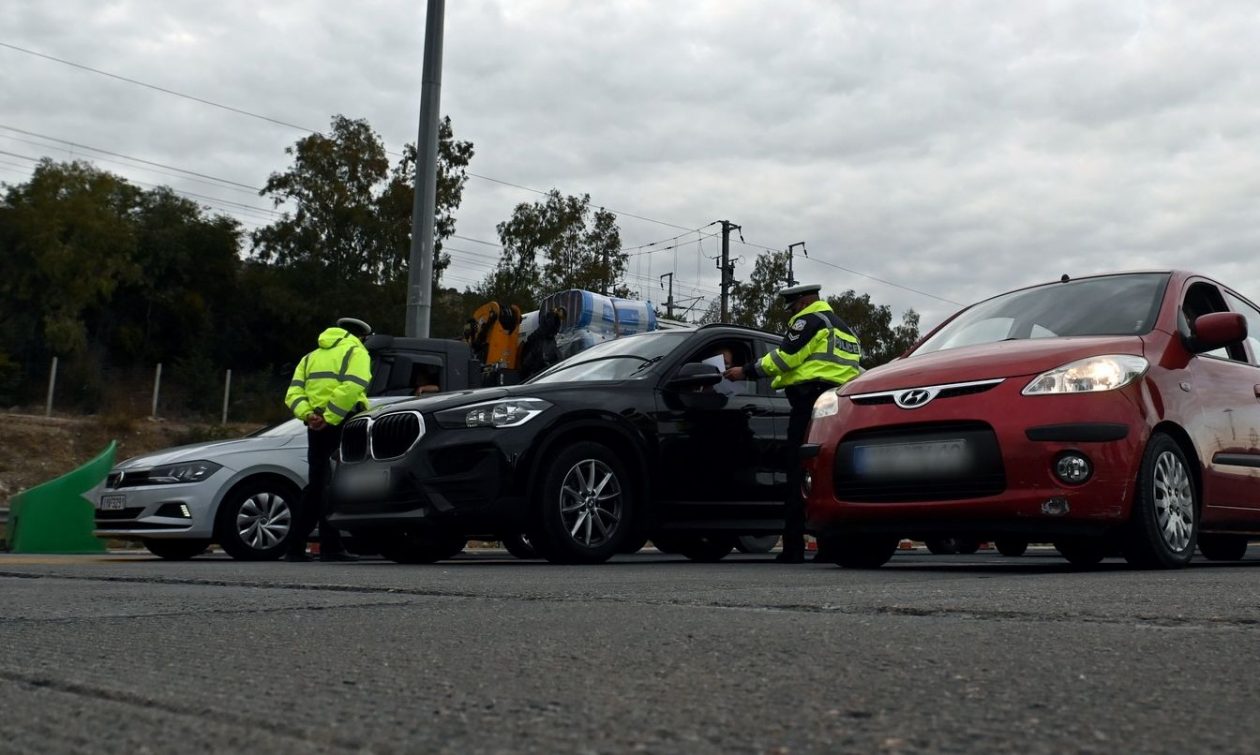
x,y
818,347
333,378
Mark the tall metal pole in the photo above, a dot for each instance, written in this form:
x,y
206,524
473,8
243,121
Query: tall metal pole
x,y
728,270
52,387
791,281
420,270
669,300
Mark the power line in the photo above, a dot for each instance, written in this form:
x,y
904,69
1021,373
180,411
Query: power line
x,y
858,273
157,88
129,157
70,151
308,130
269,119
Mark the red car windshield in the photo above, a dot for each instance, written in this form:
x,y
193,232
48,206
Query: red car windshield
x,y
1113,305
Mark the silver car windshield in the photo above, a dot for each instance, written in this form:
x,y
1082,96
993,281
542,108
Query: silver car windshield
x,y
1113,305
619,359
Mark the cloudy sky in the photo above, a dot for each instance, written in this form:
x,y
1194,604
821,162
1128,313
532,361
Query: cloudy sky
x,y
929,153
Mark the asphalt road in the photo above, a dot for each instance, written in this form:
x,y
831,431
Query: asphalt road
x,y
648,653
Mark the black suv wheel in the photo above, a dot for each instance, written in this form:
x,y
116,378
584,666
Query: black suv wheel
x,y
584,508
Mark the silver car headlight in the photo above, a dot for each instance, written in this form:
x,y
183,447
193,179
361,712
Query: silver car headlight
x,y
1090,375
508,412
827,404
184,471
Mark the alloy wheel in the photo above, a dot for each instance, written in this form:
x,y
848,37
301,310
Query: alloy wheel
x,y
590,502
1174,501
264,520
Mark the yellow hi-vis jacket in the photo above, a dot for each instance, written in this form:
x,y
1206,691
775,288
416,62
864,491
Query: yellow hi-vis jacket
x,y
818,347
332,379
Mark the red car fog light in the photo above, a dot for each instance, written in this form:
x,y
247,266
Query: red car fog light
x,y
807,483
1073,468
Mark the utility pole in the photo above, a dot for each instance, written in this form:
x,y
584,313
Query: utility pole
x,y
727,269
792,278
420,268
669,300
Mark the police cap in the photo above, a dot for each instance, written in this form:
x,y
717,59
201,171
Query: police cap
x,y
355,326
790,295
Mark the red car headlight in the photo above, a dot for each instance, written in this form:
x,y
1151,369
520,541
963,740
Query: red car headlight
x,y
1093,374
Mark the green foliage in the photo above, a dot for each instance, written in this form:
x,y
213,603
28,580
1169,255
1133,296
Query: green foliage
x,y
69,242
754,302
114,279
558,244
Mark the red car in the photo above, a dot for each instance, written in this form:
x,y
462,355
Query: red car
x,y
1115,414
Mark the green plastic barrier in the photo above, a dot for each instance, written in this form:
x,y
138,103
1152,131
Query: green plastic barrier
x,y
54,517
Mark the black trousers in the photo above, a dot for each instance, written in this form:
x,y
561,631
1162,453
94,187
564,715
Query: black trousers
x,y
313,510
802,398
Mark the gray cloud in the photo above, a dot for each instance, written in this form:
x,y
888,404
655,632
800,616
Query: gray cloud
x,y
960,149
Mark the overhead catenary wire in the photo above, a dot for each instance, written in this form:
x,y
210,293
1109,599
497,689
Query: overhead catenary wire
x,y
308,130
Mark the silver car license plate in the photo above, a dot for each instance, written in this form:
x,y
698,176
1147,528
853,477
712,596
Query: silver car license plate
x,y
112,503
948,456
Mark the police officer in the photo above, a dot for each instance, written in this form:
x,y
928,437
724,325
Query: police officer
x,y
329,385
818,352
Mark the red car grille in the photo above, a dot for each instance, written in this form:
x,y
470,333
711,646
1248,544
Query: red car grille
x,y
982,474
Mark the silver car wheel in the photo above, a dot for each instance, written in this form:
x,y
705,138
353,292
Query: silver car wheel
x,y
1174,501
590,502
264,520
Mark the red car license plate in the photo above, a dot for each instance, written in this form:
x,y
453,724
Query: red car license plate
x,y
948,456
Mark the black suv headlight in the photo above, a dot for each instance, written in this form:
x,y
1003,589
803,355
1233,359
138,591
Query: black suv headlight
x,y
185,471
507,412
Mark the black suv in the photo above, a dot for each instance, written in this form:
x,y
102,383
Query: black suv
x,y
634,438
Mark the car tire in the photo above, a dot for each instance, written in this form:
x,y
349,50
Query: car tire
x,y
176,550
857,552
1082,552
1223,547
705,549
584,507
520,547
255,519
756,543
942,546
967,547
632,545
1010,547
1163,525
421,546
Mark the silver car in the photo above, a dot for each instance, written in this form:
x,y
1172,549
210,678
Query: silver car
x,y
239,493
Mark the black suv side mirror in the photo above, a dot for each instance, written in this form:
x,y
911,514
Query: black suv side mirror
x,y
695,375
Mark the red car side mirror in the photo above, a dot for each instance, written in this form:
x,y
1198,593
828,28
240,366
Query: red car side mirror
x,y
1212,331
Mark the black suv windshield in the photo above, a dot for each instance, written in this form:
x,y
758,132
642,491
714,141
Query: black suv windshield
x,y
618,359
1114,305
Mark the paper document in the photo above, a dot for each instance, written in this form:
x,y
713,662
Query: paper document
x,y
726,387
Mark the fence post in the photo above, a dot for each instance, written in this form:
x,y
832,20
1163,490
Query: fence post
x,y
157,386
227,391
52,385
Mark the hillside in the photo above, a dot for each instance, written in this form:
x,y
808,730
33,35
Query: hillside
x,y
34,448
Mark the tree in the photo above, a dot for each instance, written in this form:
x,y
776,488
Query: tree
x,y
68,244
555,245
348,234
755,303
872,324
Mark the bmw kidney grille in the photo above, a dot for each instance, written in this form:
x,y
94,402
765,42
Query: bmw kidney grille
x,y
393,435
354,440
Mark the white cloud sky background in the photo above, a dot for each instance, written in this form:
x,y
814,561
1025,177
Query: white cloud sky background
x,y
959,149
